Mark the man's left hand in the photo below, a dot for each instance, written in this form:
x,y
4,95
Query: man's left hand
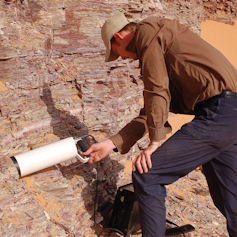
x,y
143,161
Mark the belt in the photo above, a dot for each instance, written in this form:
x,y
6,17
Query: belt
x,y
229,94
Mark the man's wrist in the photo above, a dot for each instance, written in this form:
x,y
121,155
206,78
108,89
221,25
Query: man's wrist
x,y
154,143
112,146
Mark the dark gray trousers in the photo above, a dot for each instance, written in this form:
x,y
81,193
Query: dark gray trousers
x,y
210,139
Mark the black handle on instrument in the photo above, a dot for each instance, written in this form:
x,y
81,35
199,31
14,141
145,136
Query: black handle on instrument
x,y
82,145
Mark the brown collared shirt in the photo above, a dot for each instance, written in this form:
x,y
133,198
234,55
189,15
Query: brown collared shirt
x,y
179,69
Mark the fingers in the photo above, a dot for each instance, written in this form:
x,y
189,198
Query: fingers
x,y
142,163
94,157
148,160
133,166
138,164
95,153
91,152
88,151
98,151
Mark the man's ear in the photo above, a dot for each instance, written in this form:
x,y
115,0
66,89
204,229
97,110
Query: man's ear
x,y
118,36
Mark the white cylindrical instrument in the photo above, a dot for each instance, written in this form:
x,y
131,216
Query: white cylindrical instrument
x,y
46,156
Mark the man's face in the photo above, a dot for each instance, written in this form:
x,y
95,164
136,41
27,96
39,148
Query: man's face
x,y
118,47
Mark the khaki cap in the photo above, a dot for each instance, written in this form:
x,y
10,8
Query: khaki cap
x,y
113,25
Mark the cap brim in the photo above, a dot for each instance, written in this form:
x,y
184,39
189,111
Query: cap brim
x,y
109,56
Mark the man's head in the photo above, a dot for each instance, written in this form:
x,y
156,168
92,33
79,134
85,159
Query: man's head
x,y
117,32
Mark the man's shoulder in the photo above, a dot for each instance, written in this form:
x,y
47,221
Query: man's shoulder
x,y
155,23
156,20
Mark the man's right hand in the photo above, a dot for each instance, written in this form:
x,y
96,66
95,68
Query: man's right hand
x,y
100,150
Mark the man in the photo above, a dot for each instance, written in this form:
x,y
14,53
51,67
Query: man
x,y
183,74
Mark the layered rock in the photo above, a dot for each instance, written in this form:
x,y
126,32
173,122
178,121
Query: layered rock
x,y
54,84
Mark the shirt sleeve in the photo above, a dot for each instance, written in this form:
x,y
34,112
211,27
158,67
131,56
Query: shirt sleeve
x,y
156,83
131,133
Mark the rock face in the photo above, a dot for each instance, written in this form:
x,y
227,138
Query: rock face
x,y
54,84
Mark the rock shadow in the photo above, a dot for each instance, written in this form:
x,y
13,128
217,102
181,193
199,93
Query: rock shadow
x,y
63,123
101,176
